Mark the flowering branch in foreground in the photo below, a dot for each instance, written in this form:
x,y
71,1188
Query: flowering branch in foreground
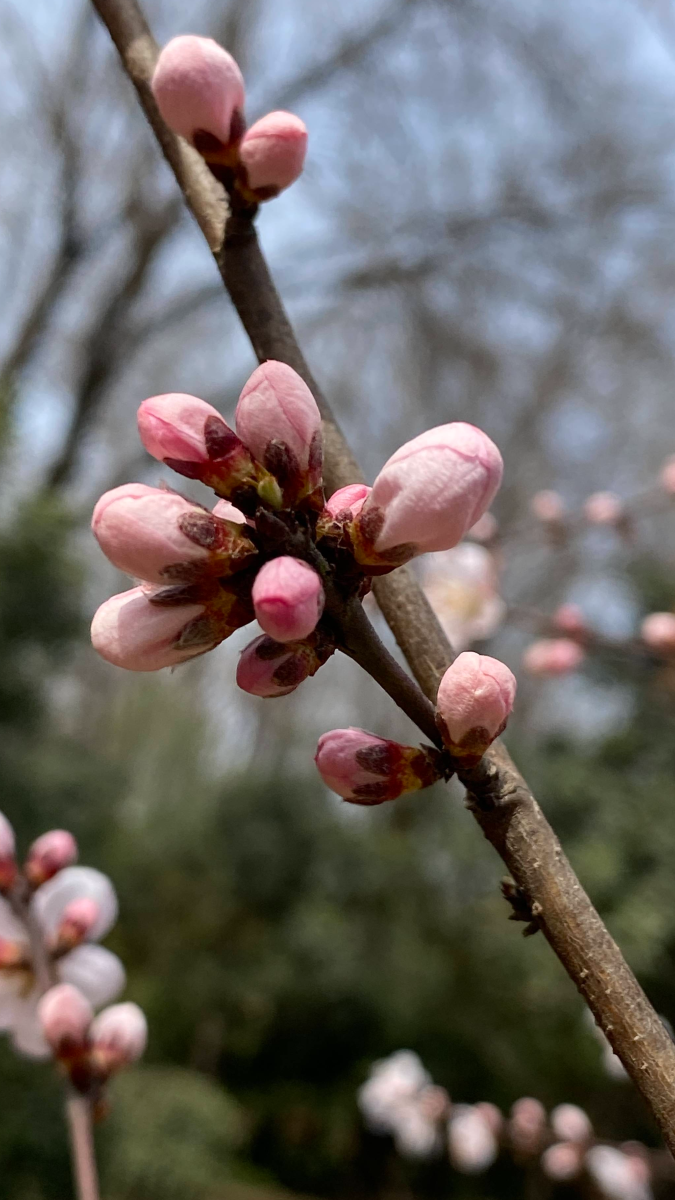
x,y
497,794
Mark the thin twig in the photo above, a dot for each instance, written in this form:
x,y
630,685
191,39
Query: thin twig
x,y
497,794
78,1110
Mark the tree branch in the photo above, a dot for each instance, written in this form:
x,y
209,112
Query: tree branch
x,y
497,794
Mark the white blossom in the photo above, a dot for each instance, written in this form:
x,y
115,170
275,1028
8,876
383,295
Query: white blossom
x,y
461,586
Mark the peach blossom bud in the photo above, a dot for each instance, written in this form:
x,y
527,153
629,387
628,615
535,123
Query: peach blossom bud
x,y
667,475
603,508
471,1142
272,154
491,1114
192,438
658,632
433,1102
288,599
279,422
571,1124
347,501
160,536
553,656
118,1035
366,769
615,1175
428,494
78,919
267,668
12,954
475,699
65,1016
569,618
130,631
527,1125
548,507
561,1161
485,528
8,867
199,88
48,855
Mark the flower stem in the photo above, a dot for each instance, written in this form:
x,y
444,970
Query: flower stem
x,y
78,1111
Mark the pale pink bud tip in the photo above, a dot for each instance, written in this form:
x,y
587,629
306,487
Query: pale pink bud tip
x,y
428,495
553,656
366,769
78,921
561,1161
571,1124
182,428
548,506
50,853
8,867
272,153
475,700
119,1035
471,1141
527,1125
268,668
288,599
603,508
278,421
347,501
65,1016
667,475
658,632
569,618
130,632
198,88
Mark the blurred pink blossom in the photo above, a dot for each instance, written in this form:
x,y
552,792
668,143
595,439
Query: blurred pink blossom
x,y
603,508
562,1161
553,656
472,1144
548,507
461,586
658,632
49,853
65,1016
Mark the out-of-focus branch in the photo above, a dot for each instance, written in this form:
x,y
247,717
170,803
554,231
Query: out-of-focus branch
x,y
498,796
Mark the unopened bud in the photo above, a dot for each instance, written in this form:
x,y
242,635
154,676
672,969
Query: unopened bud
x,y
366,769
77,922
667,475
8,867
49,854
658,632
475,699
604,508
527,1125
268,668
157,535
199,90
569,619
427,496
472,1144
279,422
548,507
12,954
562,1161
192,438
118,1037
571,1124
272,154
288,599
617,1176
553,656
65,1016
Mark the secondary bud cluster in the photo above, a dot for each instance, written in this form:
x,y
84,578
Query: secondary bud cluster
x,y
90,1048
199,91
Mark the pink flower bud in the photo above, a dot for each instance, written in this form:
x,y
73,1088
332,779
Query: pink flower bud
x,y
288,599
13,954
527,1125
267,668
569,618
548,507
561,1161
198,88
667,475
192,438
553,656
471,1142
272,154
118,1035
130,631
78,919
279,422
433,1102
475,699
658,632
160,536
603,508
366,769
616,1175
48,855
571,1124
65,1016
428,495
347,501
8,867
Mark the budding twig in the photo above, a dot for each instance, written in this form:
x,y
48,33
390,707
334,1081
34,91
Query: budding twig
x,y
498,795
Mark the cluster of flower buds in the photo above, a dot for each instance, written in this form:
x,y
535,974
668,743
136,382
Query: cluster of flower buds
x,y
71,908
399,1098
272,548
199,91
474,701
90,1048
